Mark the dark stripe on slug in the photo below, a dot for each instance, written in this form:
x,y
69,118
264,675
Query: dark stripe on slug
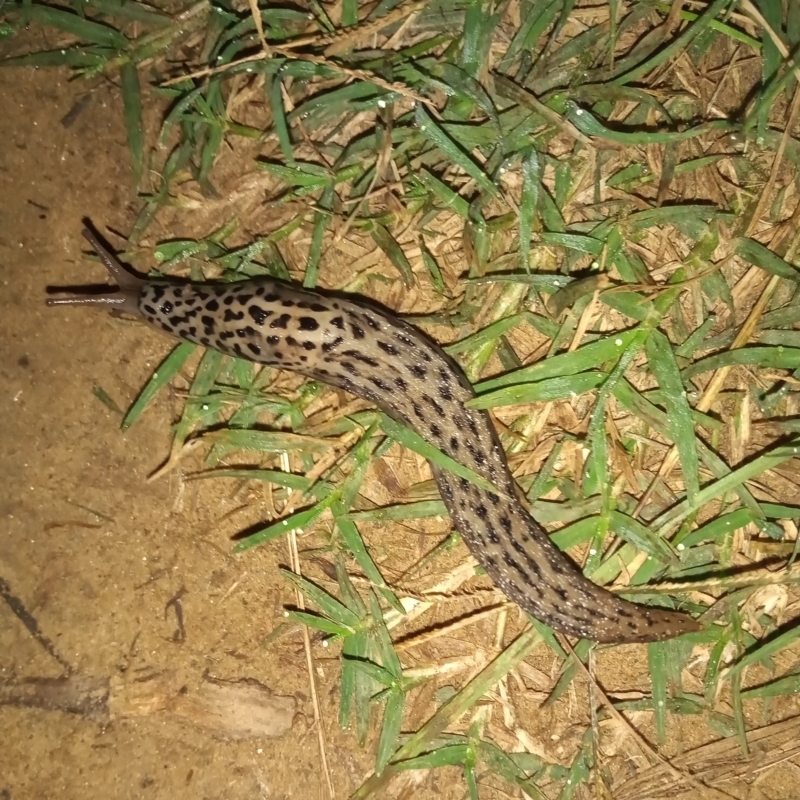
x,y
328,346
359,356
387,347
436,407
380,383
531,563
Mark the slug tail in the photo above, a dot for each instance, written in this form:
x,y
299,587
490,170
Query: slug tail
x,y
125,299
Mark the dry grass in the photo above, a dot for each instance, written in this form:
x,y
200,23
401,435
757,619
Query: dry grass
x,y
525,180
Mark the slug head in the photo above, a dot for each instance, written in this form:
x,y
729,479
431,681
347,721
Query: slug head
x,y
126,298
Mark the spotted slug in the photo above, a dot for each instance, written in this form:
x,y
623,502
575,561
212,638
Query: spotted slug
x,y
374,355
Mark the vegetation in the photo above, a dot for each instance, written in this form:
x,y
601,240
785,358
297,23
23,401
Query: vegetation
x,y
595,205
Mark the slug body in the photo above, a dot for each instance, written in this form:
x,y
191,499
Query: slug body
x,y
380,358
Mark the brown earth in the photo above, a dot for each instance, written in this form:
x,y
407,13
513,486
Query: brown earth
x,y
95,553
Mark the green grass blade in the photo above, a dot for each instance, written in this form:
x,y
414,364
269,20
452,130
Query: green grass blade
x,y
413,441
134,124
163,374
665,368
451,149
327,604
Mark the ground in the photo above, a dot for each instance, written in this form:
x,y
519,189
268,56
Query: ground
x,y
98,583
95,553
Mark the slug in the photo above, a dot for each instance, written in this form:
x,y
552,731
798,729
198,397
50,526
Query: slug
x,y
376,356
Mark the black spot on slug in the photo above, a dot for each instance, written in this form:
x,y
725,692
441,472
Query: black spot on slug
x,y
258,314
308,324
233,316
280,322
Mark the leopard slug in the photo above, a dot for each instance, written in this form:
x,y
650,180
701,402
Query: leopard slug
x,y
373,355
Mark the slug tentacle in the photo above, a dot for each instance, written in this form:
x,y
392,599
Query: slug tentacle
x,y
369,352
126,298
